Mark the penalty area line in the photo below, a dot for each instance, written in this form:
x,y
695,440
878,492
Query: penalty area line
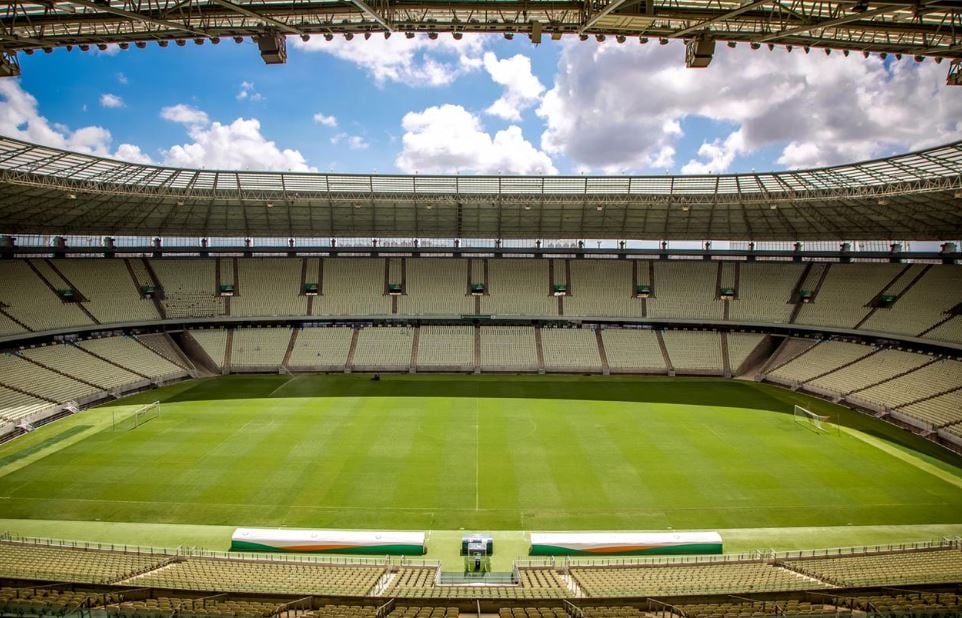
x,y
286,382
912,460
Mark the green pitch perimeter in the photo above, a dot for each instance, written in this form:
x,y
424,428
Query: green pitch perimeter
x,y
488,453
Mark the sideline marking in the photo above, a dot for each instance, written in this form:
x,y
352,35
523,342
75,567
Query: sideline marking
x,y
898,453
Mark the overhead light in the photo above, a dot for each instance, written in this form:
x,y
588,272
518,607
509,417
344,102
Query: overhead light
x,y
600,38
663,41
828,51
755,45
583,37
620,38
860,7
198,41
773,207
699,52
685,207
348,36
238,39
958,195
845,53
305,37
270,204
328,36
180,42
102,46
409,35
367,36
527,207
599,207
882,201
509,35
919,58
28,51
643,40
272,45
216,40
159,44
180,202
732,44
433,36
387,34
71,196
457,36
123,45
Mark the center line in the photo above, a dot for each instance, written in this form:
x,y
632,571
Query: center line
x,y
477,456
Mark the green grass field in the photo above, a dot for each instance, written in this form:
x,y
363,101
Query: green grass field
x,y
491,453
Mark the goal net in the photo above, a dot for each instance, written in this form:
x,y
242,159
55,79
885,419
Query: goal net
x,y
127,420
816,422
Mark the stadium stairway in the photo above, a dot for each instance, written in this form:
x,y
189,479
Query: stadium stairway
x,y
195,354
664,353
605,370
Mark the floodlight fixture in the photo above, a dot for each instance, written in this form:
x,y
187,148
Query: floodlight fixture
x,y
273,47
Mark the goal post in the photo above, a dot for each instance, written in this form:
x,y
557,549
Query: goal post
x,y
127,420
817,422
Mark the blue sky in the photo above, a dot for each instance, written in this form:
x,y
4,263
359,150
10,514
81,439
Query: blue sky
x,y
430,106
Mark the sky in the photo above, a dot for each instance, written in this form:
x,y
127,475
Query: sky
x,y
481,105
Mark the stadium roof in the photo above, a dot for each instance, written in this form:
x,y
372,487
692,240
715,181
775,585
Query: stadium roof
x,y
916,196
911,27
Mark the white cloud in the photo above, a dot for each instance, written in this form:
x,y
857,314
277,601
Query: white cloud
x,y
619,108
20,118
325,121
111,101
129,152
719,154
249,93
354,142
522,89
122,79
448,138
184,114
414,62
238,145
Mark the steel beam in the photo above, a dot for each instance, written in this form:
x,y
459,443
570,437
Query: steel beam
x,y
254,14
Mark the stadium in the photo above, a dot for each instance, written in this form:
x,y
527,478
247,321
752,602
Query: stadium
x,y
227,392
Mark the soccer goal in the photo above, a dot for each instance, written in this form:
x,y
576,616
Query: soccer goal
x,y
815,422
127,420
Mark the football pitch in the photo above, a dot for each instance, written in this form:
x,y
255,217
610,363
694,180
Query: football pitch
x,y
478,453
